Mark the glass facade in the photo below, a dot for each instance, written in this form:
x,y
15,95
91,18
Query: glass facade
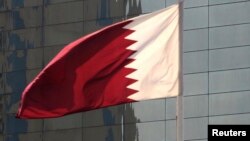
x,y
216,69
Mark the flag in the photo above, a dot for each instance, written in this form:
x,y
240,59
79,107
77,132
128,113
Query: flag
x,y
130,61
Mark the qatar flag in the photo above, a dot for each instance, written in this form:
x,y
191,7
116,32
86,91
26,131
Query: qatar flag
x,y
134,60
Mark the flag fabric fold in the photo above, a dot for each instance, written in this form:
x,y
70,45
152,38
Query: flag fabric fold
x,y
133,60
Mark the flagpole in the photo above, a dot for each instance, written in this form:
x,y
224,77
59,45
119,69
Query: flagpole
x,y
179,111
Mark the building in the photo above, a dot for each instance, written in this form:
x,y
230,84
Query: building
x,y
216,67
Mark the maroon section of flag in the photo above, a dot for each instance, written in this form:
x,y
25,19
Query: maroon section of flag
x,y
87,74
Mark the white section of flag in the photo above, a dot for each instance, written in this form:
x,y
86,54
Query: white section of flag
x,y
157,60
